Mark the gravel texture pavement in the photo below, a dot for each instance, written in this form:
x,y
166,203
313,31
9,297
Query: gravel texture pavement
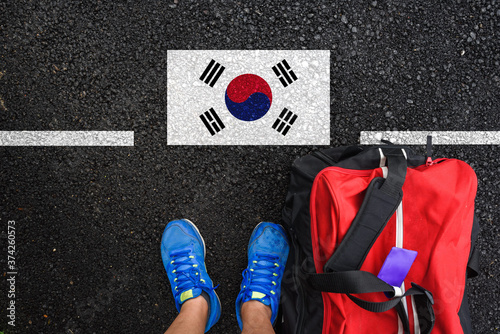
x,y
89,219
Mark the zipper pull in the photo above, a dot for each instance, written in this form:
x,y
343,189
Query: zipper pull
x,y
429,152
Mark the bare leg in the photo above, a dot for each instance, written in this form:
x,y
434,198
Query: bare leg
x,y
256,318
192,318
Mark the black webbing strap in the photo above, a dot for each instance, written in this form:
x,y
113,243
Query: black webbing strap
x,y
342,273
358,282
396,164
473,267
392,303
400,308
381,200
473,264
423,304
425,311
354,282
350,152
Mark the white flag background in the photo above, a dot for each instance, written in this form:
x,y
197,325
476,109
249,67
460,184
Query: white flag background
x,y
189,97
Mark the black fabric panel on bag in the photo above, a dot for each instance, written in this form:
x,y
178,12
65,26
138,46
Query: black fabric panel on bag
x,y
289,295
312,320
302,306
473,263
464,314
324,157
298,299
472,271
311,165
351,151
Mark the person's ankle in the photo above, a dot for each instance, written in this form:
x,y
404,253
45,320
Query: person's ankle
x,y
255,307
197,304
256,318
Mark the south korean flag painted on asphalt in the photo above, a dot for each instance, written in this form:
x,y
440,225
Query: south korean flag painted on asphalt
x,y
262,97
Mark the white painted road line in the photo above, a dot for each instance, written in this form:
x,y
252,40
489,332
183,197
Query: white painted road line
x,y
438,137
66,138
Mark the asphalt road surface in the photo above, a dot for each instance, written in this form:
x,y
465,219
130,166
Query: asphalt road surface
x,y
89,219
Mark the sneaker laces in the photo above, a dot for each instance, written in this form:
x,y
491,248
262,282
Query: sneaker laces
x,y
186,270
263,275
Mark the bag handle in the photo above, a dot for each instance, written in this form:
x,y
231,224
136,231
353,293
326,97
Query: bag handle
x,y
342,274
382,198
359,282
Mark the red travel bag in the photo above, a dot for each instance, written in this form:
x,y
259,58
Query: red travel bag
x,y
361,219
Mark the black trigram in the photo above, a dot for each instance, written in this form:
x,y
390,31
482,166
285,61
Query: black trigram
x,y
284,73
212,121
284,122
212,73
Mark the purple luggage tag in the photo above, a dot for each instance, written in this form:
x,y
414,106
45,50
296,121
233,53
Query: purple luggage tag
x,y
396,266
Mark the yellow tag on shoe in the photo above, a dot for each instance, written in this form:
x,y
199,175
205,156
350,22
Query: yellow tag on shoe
x,y
186,295
257,295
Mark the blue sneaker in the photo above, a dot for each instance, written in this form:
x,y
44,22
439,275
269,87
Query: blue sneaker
x,y
267,253
183,255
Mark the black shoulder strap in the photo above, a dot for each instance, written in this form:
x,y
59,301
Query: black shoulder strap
x,y
342,273
381,200
359,282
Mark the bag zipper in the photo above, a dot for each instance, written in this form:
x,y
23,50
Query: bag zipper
x,y
431,162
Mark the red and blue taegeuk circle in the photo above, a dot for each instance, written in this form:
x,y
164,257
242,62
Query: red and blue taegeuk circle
x,y
248,97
